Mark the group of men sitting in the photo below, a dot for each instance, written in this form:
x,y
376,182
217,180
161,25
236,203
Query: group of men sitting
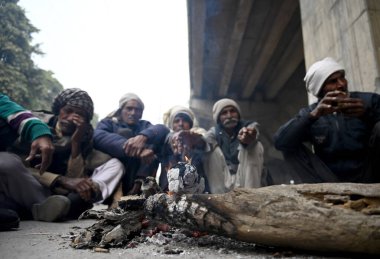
x,y
55,165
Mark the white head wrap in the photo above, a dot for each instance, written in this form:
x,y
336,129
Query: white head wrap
x,y
319,72
219,105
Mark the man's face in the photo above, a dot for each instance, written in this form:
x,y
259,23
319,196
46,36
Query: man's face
x,y
229,117
335,82
66,116
181,123
131,112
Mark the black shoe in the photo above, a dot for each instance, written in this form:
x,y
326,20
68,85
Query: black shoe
x,y
54,208
78,206
8,219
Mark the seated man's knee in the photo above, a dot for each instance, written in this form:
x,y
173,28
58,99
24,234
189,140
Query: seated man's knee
x,y
375,136
9,163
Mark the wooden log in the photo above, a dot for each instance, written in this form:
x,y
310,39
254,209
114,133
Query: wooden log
x,y
329,217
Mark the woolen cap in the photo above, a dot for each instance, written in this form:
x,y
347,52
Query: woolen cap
x,y
130,96
176,110
222,103
319,72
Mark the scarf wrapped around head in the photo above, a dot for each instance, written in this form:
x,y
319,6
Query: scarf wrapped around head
x,y
74,97
319,72
222,103
176,110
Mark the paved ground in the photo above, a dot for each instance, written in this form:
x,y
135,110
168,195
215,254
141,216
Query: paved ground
x,y
39,240
51,240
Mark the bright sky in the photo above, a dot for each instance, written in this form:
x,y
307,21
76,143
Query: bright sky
x,y
113,47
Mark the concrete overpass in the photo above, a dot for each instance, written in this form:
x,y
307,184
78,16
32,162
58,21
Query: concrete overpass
x,y
257,51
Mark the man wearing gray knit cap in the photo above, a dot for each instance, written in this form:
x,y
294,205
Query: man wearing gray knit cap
x,y
236,156
135,142
342,127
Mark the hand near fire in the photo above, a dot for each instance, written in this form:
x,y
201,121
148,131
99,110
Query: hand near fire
x,y
184,141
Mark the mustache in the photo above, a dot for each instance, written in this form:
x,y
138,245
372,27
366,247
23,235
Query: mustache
x,y
230,121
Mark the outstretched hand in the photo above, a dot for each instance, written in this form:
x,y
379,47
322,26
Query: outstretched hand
x,y
184,141
247,135
43,147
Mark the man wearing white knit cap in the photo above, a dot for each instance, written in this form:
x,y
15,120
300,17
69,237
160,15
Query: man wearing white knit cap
x,y
236,156
342,127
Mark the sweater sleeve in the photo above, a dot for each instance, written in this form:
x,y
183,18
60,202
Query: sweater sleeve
x,y
107,141
22,121
156,134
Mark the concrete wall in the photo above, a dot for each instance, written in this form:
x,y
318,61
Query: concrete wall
x,y
349,31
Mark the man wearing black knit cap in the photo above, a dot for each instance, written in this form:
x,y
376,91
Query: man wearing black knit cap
x,y
80,172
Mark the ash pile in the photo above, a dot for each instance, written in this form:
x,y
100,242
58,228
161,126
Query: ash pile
x,y
129,226
144,220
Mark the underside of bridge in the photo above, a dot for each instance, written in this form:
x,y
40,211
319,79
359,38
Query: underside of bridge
x,y
250,51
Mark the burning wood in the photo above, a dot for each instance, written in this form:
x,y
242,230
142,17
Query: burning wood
x,y
330,217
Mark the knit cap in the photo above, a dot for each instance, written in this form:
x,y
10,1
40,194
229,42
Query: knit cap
x,y
176,110
222,103
319,72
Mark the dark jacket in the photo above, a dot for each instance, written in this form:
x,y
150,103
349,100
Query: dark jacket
x,y
341,142
110,136
229,145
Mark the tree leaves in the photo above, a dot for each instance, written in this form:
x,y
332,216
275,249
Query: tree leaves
x,y
20,78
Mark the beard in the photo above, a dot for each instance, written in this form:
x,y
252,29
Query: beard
x,y
230,123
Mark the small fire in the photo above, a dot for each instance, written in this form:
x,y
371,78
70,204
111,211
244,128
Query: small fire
x,y
187,160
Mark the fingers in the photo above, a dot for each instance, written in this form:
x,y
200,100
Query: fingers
x,y
147,156
134,146
47,157
247,135
84,189
43,147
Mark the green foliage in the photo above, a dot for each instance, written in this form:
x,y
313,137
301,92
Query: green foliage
x,y
20,78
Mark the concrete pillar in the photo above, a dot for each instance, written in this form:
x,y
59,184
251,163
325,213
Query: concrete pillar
x,y
348,31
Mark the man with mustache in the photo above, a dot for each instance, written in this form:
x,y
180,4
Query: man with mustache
x,y
235,158
343,128
124,135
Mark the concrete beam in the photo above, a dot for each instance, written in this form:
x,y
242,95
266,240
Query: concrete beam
x,y
197,19
286,66
242,17
287,8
